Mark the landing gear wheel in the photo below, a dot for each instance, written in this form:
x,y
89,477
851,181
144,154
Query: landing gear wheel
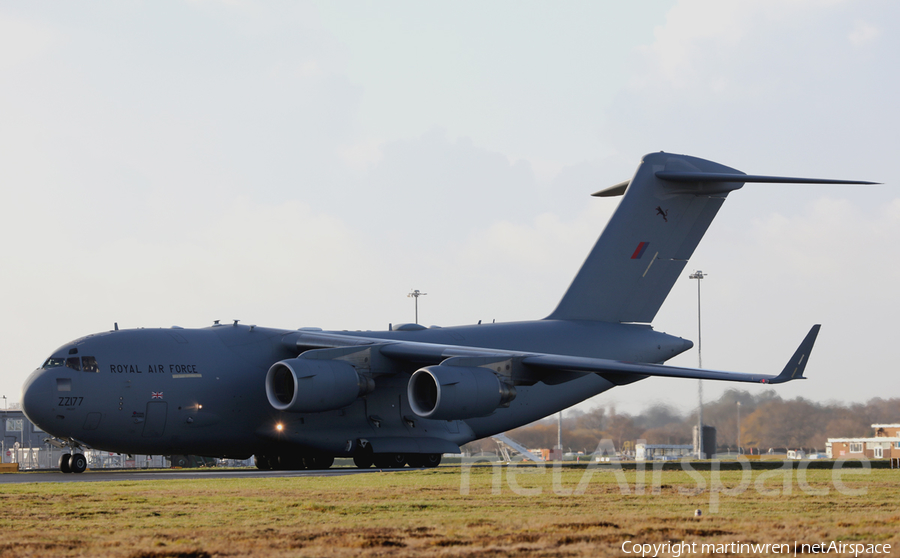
x,y
290,463
319,462
389,460
64,463
364,456
78,463
423,459
262,462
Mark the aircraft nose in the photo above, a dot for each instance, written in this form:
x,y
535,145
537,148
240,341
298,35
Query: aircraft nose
x,y
37,393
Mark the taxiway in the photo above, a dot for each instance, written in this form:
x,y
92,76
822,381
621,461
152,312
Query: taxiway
x,y
172,474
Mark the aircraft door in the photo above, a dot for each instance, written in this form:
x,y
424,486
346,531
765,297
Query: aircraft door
x,y
155,419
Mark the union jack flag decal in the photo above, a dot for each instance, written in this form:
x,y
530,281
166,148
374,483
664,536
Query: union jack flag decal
x,y
155,395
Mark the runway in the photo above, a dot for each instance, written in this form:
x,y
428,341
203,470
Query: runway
x,y
175,474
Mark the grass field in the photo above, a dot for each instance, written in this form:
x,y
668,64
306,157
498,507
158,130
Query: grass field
x,y
537,512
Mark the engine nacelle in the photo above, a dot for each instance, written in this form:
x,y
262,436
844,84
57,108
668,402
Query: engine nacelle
x,y
306,385
457,392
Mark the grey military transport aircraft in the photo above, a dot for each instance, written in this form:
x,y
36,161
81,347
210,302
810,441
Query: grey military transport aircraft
x,y
299,398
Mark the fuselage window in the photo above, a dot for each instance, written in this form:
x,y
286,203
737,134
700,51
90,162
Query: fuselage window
x,y
89,364
54,362
74,363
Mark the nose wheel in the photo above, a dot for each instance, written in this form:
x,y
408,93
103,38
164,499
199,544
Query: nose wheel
x,y
78,463
72,463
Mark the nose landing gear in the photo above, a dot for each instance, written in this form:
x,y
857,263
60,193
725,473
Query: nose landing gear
x,y
72,463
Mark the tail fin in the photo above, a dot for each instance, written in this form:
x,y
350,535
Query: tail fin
x,y
665,211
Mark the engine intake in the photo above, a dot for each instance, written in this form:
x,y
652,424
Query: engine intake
x,y
457,392
305,385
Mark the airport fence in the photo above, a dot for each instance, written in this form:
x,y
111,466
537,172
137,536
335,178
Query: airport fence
x,y
30,459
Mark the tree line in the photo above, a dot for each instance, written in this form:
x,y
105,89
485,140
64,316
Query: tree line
x,y
766,421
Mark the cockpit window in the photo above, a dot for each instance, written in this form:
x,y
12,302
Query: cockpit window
x,y
86,363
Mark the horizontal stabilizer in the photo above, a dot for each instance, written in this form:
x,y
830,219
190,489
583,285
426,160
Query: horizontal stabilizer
x,y
679,176
612,191
688,177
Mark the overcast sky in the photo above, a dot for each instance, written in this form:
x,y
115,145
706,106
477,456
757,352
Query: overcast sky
x,y
297,164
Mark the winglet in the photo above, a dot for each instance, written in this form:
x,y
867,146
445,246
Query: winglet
x,y
797,364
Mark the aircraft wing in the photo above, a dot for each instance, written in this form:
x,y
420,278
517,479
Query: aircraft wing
x,y
410,351
792,371
434,353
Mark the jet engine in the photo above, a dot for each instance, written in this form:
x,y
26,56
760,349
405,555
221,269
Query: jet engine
x,y
457,392
305,385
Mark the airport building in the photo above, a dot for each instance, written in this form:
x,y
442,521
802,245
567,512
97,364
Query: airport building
x,y
19,433
662,452
885,444
708,448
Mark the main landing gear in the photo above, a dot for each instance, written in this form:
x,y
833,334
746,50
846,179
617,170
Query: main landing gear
x,y
397,460
363,459
293,462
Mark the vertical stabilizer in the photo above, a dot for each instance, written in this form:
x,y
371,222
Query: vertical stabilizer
x,y
647,242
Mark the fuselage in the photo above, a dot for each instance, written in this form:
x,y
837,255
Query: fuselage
x,y
201,391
